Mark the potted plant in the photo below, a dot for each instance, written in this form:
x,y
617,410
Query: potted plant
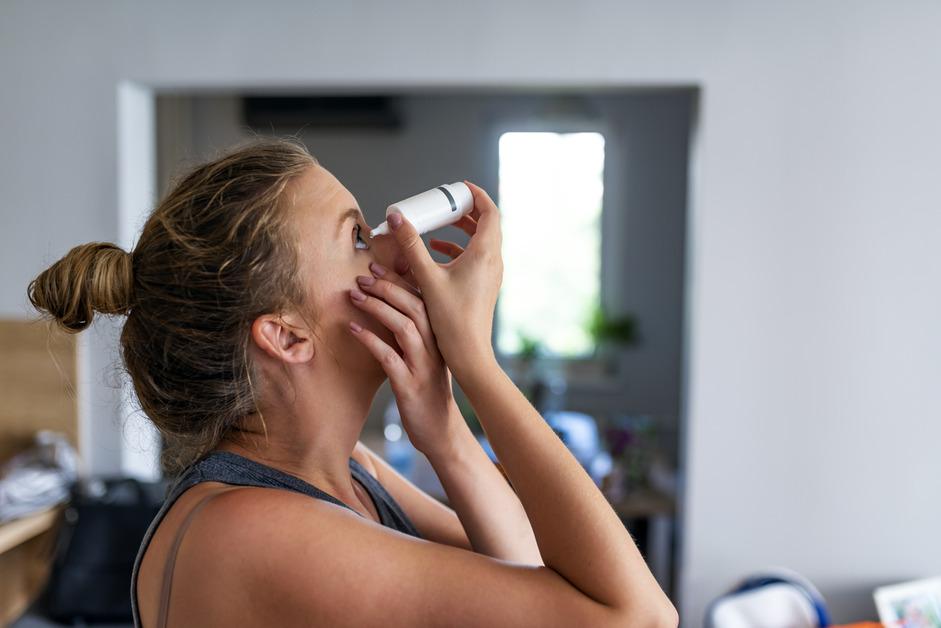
x,y
610,334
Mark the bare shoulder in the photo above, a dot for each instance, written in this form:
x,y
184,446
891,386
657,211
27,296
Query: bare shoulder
x,y
194,588
289,559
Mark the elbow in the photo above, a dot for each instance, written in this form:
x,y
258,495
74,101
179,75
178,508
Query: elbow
x,y
671,618
664,616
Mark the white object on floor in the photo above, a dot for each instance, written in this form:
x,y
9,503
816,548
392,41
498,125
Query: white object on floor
x,y
776,605
39,477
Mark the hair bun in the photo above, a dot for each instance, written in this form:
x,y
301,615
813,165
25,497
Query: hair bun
x,y
94,277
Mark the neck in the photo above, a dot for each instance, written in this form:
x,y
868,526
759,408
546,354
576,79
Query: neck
x,y
310,435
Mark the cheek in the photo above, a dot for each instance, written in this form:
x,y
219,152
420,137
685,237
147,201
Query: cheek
x,y
340,309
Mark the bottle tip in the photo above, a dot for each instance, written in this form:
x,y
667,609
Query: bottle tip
x,y
382,229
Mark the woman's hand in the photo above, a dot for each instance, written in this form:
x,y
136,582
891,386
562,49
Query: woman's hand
x,y
419,377
460,296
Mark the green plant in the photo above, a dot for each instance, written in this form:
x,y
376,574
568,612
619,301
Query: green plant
x,y
530,347
620,330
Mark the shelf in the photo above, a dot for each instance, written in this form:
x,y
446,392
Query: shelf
x,y
18,531
642,504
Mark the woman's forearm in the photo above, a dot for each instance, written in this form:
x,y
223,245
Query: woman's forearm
x,y
491,513
579,534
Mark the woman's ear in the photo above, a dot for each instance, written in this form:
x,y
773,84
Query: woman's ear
x,y
279,337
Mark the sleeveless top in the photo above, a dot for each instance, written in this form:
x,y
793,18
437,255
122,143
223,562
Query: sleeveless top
x,y
231,468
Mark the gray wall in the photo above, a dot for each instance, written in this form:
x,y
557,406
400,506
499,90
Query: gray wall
x,y
453,136
812,424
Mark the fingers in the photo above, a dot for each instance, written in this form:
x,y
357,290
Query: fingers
x,y
466,224
448,248
401,326
487,215
475,191
412,247
385,355
401,265
401,269
402,302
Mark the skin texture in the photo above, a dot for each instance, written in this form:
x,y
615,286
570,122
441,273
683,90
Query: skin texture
x,y
299,354
292,560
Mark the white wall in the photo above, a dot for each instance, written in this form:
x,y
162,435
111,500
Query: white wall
x,y
814,354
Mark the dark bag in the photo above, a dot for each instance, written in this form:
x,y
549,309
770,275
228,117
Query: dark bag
x,y
104,524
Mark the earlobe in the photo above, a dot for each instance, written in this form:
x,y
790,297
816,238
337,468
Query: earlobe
x,y
281,340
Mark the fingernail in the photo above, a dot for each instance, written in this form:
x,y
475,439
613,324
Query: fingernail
x,y
355,327
395,220
378,269
357,295
365,281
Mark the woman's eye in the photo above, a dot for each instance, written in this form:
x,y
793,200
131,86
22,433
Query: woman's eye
x,y
360,239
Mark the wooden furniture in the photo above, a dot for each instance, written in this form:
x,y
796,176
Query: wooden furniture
x,y
38,374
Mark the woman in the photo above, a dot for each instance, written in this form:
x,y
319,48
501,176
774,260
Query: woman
x,y
260,323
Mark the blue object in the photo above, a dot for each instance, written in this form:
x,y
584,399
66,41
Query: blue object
x,y
579,432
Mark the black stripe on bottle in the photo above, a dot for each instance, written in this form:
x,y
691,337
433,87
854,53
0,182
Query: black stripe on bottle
x,y
450,198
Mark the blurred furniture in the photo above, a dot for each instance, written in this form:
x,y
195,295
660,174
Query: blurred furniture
x,y
26,548
106,518
579,432
38,369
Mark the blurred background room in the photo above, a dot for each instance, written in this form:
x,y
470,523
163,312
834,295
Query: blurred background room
x,y
721,242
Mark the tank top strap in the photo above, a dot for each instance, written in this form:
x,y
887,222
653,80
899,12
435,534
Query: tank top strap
x,y
174,549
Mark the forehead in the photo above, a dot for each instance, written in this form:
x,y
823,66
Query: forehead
x,y
316,201
318,191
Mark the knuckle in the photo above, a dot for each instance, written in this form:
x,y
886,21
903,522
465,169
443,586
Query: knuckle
x,y
388,357
408,327
411,242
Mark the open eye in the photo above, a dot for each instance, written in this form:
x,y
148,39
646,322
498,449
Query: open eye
x,y
359,239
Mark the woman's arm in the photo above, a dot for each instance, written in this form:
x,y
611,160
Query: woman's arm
x,y
578,532
486,511
491,513
580,537
435,521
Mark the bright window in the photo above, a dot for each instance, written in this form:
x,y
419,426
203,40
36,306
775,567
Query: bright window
x,y
550,194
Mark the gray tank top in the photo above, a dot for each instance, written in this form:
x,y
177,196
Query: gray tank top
x,y
231,468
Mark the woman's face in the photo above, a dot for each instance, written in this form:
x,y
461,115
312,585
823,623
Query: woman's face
x,y
335,247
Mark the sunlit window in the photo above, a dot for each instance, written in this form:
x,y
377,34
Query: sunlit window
x,y
550,194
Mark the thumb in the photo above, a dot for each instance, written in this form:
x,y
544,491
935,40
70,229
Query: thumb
x,y
412,247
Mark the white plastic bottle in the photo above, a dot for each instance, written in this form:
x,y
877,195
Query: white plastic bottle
x,y
433,209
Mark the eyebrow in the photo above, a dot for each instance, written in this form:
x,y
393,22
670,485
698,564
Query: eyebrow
x,y
350,213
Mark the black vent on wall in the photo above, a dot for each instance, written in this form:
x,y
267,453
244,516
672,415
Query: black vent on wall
x,y
294,113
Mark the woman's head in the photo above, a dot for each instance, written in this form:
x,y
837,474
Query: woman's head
x,y
238,246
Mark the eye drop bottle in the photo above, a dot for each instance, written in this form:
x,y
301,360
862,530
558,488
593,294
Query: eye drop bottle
x,y
433,209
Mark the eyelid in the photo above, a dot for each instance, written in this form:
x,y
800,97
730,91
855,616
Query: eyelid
x,y
359,231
